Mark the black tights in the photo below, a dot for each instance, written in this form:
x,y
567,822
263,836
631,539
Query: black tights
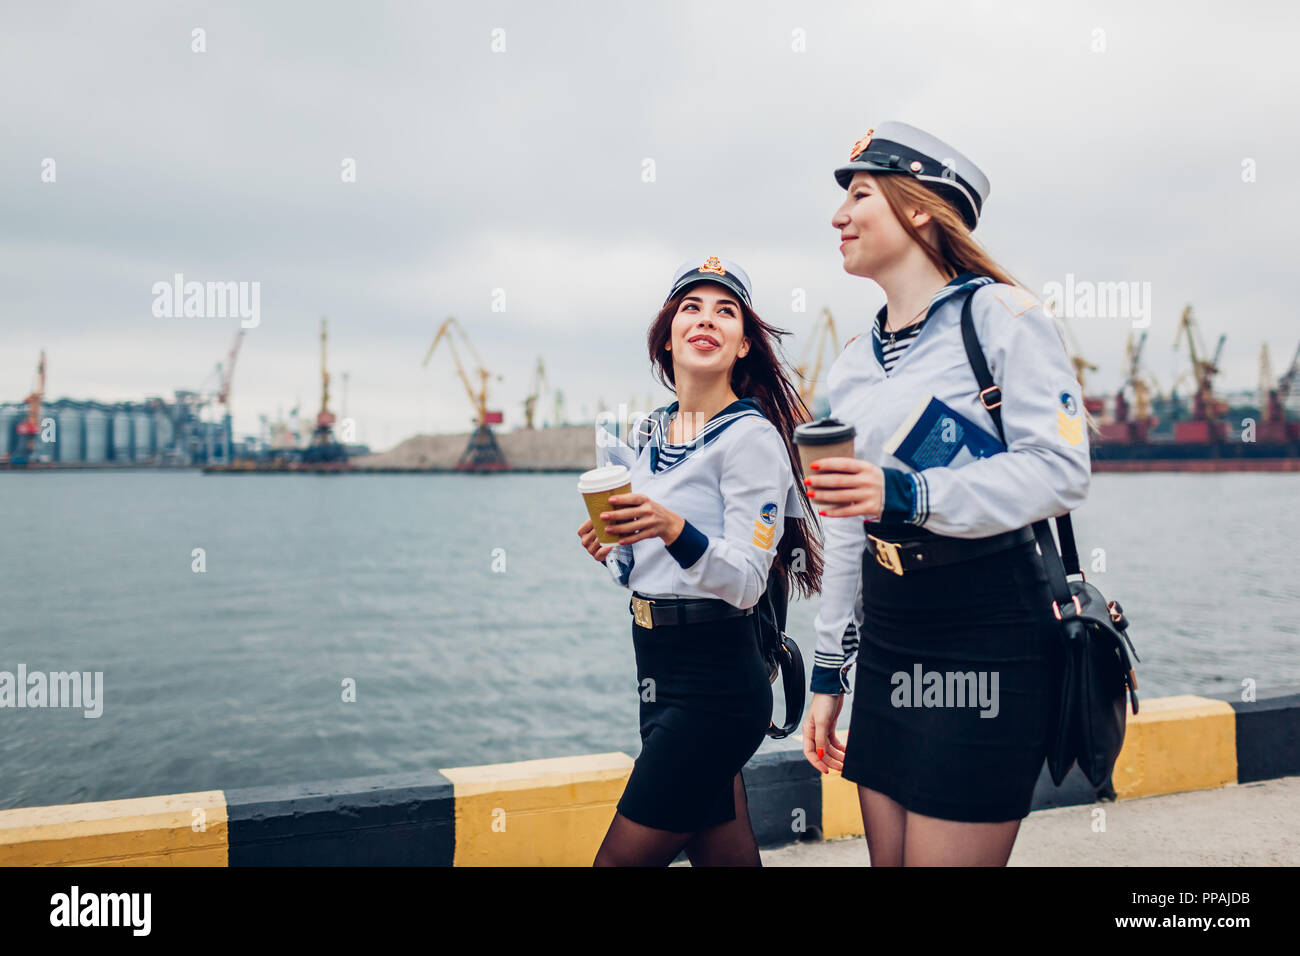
x,y
727,844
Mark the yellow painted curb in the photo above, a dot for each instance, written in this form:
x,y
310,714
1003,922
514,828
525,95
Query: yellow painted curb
x,y
143,831
1175,744
841,810
536,812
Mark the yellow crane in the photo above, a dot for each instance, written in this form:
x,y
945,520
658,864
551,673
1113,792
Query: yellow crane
x,y
324,447
1204,403
823,331
482,453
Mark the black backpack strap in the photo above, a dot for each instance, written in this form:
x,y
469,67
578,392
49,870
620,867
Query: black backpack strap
x,y
990,394
991,399
1069,552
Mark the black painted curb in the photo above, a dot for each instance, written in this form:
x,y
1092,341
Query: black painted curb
x,y
784,792
1268,733
388,820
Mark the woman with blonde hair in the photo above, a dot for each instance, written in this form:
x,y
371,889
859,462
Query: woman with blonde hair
x,y
932,583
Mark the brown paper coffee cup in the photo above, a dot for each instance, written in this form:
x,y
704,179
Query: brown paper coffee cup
x,y
824,438
596,487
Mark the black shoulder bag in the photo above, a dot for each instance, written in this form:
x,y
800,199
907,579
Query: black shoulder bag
x,y
1090,718
780,652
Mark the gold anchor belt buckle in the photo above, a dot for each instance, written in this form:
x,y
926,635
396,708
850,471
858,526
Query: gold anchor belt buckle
x,y
887,555
641,612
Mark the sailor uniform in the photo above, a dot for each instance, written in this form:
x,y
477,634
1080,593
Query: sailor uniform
x,y
918,632
988,615
732,484
704,689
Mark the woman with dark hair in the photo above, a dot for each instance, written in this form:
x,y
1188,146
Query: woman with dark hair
x,y
716,508
933,585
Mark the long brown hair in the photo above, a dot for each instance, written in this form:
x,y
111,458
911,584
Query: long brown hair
x,y
957,251
760,375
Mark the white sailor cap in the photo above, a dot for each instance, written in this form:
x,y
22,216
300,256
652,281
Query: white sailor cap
x,y
898,148
711,269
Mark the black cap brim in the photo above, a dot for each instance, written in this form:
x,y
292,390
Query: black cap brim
x,y
844,175
695,278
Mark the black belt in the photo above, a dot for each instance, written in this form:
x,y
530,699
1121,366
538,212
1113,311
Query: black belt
x,y
929,552
664,612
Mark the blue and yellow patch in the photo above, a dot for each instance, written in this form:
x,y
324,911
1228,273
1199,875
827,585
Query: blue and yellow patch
x,y
1069,422
765,526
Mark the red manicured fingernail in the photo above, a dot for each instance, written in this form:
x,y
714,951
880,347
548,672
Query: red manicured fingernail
x,y
822,513
815,466
812,494
820,753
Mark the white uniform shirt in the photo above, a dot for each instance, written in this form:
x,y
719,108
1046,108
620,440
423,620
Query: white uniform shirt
x,y
1044,472
733,486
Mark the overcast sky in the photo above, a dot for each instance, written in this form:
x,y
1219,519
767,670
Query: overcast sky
x,y
1119,139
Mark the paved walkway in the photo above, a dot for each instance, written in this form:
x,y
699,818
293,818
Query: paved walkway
x,y
1255,824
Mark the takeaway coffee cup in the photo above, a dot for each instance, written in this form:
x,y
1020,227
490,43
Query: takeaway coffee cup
x,y
596,486
824,438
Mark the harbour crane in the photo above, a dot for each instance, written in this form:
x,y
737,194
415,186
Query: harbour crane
x,y
223,391
1286,383
30,427
482,453
823,333
1270,402
1205,406
324,447
1137,382
530,402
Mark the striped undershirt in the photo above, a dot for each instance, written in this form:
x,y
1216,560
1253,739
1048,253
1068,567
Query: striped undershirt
x,y
668,454
902,339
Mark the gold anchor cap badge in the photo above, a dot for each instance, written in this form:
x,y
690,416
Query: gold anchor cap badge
x,y
860,145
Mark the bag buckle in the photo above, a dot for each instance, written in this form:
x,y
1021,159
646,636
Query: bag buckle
x,y
1078,608
641,612
887,554
984,401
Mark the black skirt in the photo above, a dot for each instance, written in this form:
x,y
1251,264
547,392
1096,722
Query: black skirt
x,y
955,690
705,705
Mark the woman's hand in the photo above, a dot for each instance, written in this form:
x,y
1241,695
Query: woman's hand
x,y
821,745
637,517
587,534
852,488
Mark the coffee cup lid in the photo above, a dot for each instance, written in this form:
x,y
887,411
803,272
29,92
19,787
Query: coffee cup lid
x,y
604,478
824,431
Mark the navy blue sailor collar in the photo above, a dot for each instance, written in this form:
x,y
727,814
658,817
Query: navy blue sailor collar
x,y
660,418
966,280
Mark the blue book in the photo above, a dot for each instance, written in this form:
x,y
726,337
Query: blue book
x,y
935,436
